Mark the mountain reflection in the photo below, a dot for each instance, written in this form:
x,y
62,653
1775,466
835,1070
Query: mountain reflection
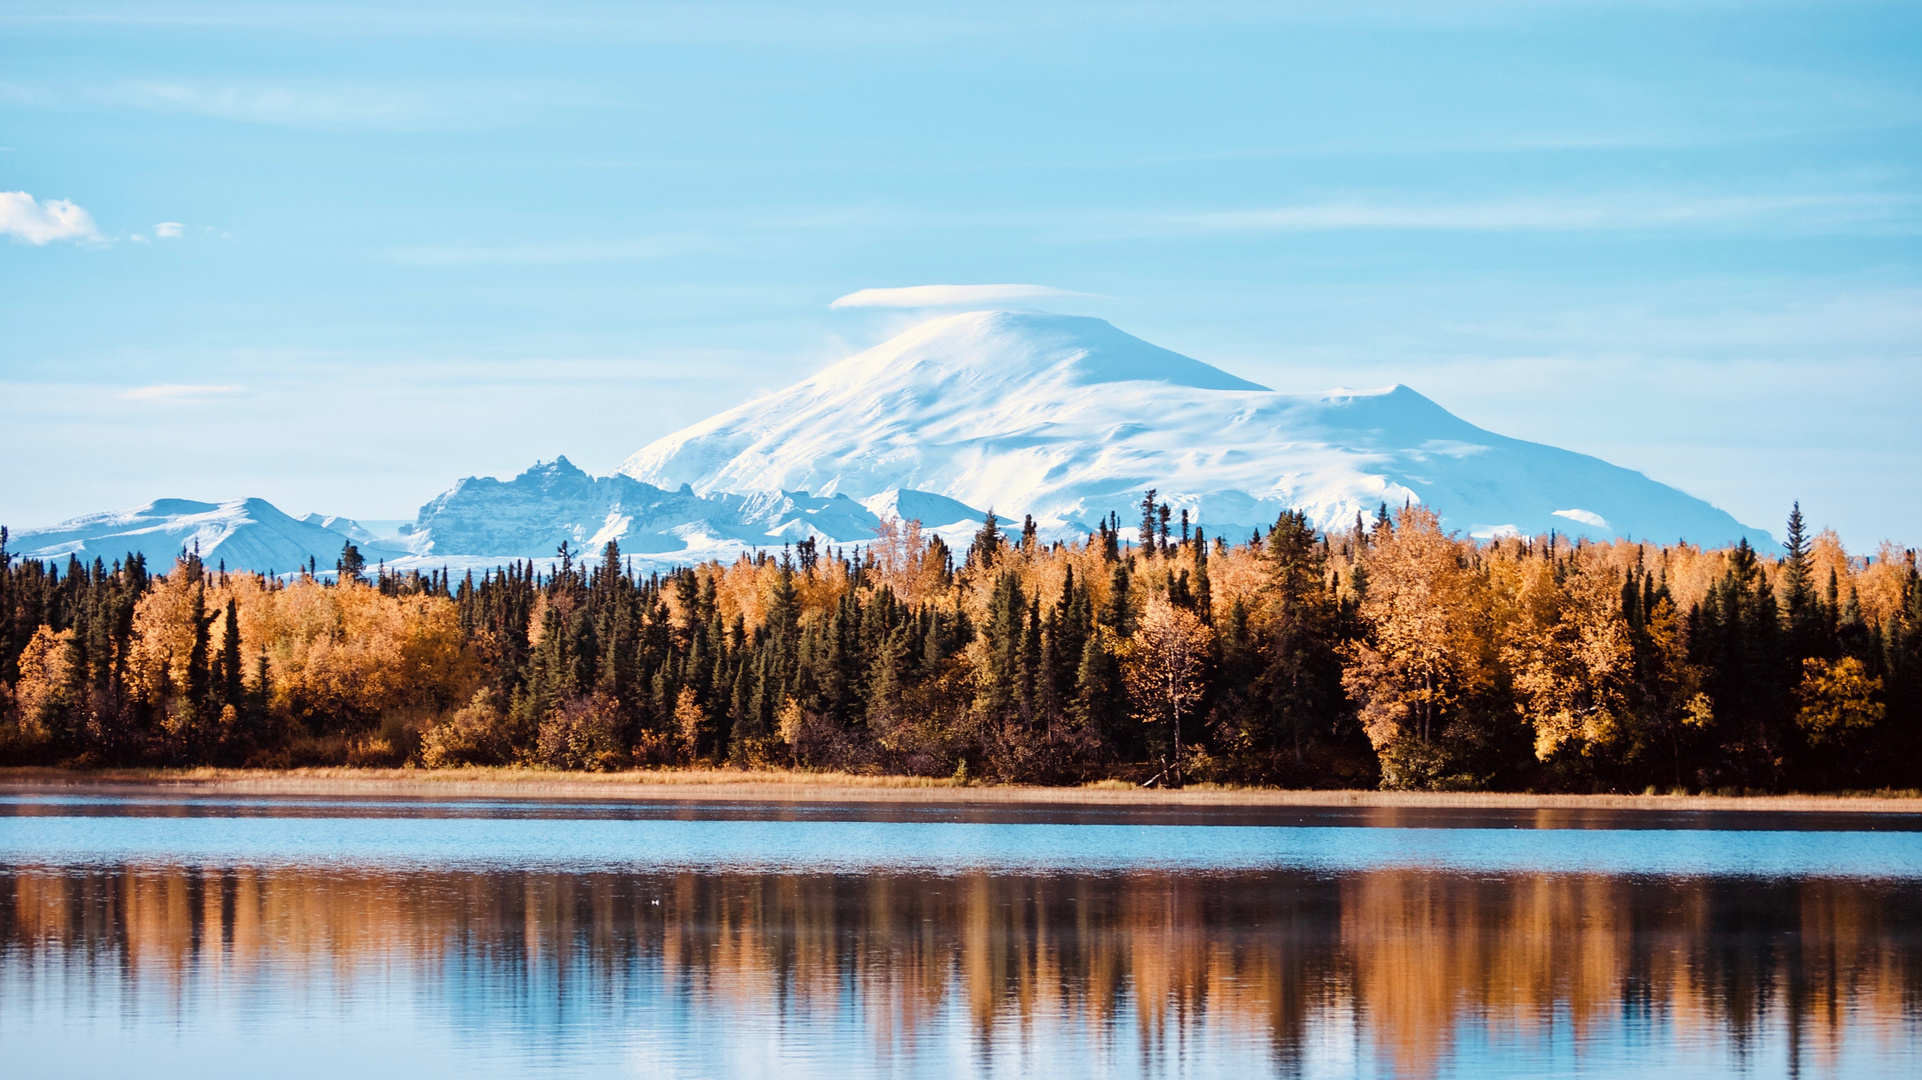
x,y
1400,967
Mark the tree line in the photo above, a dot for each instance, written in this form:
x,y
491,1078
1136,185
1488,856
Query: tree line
x,y
1388,653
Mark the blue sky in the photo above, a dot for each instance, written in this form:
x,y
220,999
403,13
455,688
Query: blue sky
x,y
339,255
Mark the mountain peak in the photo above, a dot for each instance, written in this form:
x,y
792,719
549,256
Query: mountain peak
x,y
1025,346
1069,419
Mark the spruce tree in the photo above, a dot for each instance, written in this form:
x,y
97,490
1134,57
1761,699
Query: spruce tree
x,y
987,543
1300,683
230,662
1100,707
1005,632
1119,614
351,563
1802,610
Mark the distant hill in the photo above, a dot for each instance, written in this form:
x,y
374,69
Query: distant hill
x,y
244,534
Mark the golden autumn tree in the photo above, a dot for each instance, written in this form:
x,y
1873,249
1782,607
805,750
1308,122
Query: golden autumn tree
x,y
46,693
170,659
344,656
1837,699
908,559
1426,655
1165,667
1568,653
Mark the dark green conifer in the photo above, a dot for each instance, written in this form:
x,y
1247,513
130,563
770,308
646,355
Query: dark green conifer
x,y
1119,614
987,543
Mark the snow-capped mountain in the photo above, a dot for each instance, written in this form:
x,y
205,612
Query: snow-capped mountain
x,y
1064,418
244,534
345,526
1069,419
482,522
556,502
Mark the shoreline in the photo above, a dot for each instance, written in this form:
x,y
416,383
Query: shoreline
x,y
730,785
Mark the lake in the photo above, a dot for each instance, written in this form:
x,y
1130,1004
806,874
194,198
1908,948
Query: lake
x,y
172,936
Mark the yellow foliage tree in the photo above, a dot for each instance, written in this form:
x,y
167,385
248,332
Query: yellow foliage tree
x,y
1165,665
348,651
689,719
44,692
171,630
1569,654
1427,647
905,560
1836,699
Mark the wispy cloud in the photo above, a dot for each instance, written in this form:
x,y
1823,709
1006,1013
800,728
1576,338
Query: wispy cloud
x,y
24,218
921,296
325,106
466,255
1556,214
178,392
168,230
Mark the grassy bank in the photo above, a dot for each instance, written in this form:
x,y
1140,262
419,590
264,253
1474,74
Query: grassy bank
x,y
733,785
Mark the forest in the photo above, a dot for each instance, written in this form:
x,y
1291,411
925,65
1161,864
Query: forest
x,y
1389,654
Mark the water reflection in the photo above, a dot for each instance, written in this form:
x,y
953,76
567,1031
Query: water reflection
x,y
1401,972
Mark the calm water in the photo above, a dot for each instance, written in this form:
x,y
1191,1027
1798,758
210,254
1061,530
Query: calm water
x,y
198,937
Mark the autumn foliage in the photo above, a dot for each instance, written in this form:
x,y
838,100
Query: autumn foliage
x,y
1391,653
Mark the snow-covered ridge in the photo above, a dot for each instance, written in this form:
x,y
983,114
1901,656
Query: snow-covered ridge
x,y
1069,419
556,502
482,522
243,534
1064,418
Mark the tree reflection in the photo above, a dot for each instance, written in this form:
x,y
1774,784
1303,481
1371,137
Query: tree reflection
x,y
1408,962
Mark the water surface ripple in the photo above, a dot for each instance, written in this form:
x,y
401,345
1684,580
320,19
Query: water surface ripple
x,y
191,937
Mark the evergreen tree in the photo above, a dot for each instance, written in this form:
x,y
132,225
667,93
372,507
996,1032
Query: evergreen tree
x,y
1735,635
1801,609
351,563
1100,707
1000,691
231,692
1119,614
1299,686
987,542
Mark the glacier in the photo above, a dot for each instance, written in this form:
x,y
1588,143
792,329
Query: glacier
x,y
1065,418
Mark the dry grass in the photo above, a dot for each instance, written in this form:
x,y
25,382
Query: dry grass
x,y
715,785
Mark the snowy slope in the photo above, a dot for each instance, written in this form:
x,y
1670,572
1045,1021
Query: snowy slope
x,y
245,534
483,522
556,502
345,526
1068,418
1064,418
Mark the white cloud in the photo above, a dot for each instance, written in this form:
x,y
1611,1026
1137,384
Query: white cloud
x,y
168,230
1564,215
43,222
920,296
1586,517
177,392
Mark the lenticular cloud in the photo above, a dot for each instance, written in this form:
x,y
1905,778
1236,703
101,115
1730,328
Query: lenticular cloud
x,y
925,296
22,218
